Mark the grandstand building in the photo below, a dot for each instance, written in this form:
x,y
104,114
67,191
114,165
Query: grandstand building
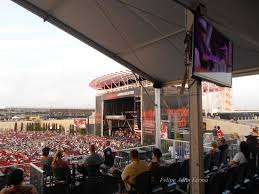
x,y
216,99
126,101
44,113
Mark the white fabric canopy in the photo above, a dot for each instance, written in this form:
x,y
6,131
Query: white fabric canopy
x,y
147,35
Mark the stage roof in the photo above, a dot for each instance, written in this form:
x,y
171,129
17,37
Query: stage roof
x,y
147,36
121,78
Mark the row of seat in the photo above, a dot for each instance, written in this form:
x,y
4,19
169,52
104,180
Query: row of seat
x,y
164,179
239,179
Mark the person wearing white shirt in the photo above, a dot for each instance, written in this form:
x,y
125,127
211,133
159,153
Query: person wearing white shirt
x,y
240,157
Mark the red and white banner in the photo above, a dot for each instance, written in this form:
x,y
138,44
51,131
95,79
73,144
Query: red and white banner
x,y
80,123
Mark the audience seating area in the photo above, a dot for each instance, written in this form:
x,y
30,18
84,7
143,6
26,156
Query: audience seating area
x,y
168,178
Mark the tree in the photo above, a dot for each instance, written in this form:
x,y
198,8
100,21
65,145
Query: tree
x,y
38,127
15,126
53,127
59,128
21,126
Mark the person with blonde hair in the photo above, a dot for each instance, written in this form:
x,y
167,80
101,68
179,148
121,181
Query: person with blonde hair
x,y
60,167
16,181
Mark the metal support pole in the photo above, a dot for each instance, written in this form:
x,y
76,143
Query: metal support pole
x,y
88,125
196,134
196,142
141,115
102,119
158,116
174,150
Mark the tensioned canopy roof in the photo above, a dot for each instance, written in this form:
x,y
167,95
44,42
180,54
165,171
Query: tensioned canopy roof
x,y
147,35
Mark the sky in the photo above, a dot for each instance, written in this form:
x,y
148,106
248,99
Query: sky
x,y
42,66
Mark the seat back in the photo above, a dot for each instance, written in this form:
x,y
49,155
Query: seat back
x,y
174,170
93,185
3,181
207,162
143,183
184,173
230,177
159,174
223,156
216,183
93,170
111,184
241,172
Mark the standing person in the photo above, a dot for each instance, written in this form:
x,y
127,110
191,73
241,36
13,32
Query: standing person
x,y
93,162
220,133
16,180
108,155
132,170
46,160
60,167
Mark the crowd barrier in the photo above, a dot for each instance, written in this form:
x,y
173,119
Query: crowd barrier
x,y
37,178
122,157
180,150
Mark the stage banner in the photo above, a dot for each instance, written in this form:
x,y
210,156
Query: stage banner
x,y
174,111
98,115
133,92
80,123
148,116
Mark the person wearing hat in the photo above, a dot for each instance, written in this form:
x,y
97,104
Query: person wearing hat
x,y
156,159
132,170
16,181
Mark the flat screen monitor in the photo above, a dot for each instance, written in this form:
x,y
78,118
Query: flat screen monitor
x,y
212,53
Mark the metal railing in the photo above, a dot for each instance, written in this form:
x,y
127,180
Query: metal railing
x,y
37,178
233,149
177,149
122,157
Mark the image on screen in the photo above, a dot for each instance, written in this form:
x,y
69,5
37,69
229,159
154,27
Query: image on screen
x,y
212,53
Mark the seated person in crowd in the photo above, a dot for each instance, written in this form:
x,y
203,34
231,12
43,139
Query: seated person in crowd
x,y
46,160
93,162
214,151
223,148
132,170
108,155
60,167
214,147
16,181
156,159
240,157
